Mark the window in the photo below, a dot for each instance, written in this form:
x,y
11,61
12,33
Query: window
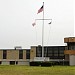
x,y
61,54
20,54
49,55
12,62
27,54
45,52
16,62
72,47
55,51
39,52
50,52
4,54
66,48
55,54
0,62
61,50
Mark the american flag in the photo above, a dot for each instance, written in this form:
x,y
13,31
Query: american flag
x,y
40,10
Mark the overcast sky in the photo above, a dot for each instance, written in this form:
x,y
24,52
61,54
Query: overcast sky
x,y
17,16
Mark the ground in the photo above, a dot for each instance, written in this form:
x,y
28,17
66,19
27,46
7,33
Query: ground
x,y
30,70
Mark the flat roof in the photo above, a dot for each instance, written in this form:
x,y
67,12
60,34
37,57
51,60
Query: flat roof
x,y
14,49
49,46
69,37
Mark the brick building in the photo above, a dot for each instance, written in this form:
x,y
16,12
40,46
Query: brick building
x,y
59,54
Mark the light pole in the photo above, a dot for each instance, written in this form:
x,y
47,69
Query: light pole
x,y
63,62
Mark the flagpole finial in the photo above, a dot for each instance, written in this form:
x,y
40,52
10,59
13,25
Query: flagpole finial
x,y
43,2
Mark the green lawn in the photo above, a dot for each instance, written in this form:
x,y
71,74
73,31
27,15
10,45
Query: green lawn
x,y
29,70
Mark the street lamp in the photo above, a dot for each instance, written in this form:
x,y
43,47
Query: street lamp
x,y
63,62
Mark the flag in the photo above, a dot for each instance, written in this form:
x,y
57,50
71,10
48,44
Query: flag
x,y
33,24
49,23
40,10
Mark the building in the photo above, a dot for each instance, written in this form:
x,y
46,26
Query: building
x,y
14,56
70,50
60,55
55,54
19,56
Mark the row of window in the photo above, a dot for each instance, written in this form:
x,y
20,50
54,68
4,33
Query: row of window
x,y
20,54
52,52
71,46
11,62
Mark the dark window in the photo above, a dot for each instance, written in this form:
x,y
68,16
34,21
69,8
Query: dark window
x,y
16,62
27,54
0,62
71,46
4,54
12,62
61,48
45,52
55,53
20,54
39,52
50,52
61,52
55,50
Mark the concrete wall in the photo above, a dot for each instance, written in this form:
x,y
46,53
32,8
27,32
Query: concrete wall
x,y
72,60
66,57
19,63
12,54
1,54
5,63
32,53
23,63
24,54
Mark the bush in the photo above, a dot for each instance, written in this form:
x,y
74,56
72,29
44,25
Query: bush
x,y
35,63
46,63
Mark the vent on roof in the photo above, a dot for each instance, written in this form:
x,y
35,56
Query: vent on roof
x,y
18,47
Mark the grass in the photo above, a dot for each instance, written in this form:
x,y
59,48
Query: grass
x,y
29,70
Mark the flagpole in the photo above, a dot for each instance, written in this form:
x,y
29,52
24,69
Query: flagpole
x,y
43,33
40,10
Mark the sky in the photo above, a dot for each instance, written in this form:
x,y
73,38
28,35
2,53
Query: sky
x,y
17,16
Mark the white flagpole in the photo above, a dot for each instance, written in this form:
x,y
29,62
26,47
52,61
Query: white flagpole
x,y
43,29
43,33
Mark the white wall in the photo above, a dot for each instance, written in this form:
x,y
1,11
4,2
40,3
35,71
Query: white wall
x,y
23,63
5,63
72,60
